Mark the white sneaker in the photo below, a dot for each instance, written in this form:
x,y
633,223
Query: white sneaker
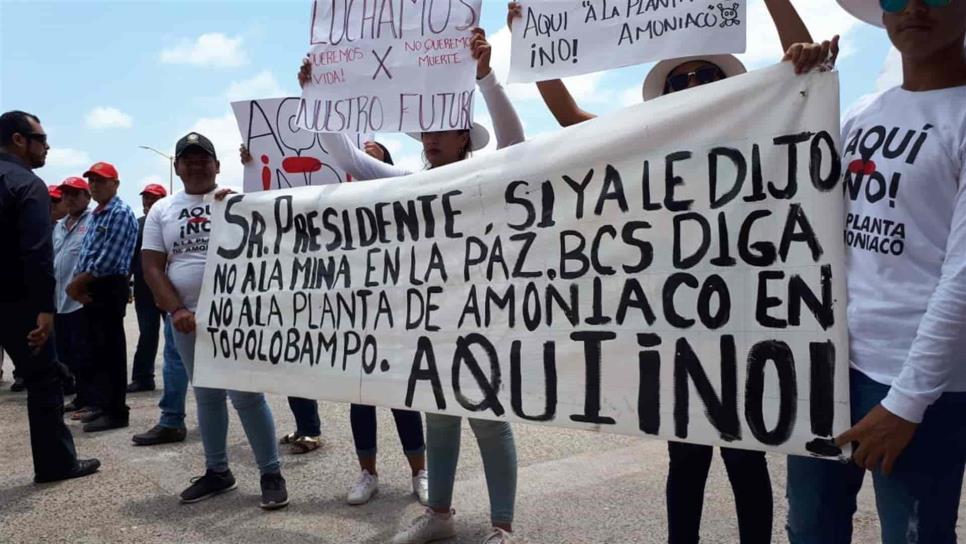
x,y
421,487
366,486
498,536
426,528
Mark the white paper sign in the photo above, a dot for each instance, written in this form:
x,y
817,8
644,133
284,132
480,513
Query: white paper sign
x,y
633,274
561,38
284,155
390,66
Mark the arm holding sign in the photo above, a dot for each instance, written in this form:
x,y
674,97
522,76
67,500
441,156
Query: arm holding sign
x,y
506,122
791,28
885,432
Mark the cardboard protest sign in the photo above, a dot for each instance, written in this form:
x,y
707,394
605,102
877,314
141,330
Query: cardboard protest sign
x,y
672,270
561,38
390,66
284,155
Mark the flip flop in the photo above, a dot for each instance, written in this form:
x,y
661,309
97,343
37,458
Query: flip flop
x,y
305,444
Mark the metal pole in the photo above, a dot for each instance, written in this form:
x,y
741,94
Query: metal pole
x,y
170,165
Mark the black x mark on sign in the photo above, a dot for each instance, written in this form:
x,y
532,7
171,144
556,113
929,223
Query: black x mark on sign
x,y
382,63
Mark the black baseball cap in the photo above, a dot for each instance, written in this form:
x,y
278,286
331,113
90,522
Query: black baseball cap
x,y
193,139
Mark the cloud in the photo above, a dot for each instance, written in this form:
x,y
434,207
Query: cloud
x,y
212,49
891,73
108,117
824,19
262,85
631,95
66,157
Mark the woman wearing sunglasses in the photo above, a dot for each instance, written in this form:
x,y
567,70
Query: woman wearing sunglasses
x,y
495,438
906,308
689,463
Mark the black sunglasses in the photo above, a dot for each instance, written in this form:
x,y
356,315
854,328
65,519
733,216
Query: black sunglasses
x,y
704,75
42,138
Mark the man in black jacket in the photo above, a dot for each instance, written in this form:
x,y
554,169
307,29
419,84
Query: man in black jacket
x,y
27,296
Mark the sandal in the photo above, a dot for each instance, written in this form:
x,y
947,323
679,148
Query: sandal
x,y
305,444
80,414
290,438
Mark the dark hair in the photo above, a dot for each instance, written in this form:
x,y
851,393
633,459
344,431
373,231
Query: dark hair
x,y
466,151
15,122
386,157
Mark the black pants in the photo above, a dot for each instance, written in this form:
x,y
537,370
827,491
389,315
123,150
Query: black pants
x,y
149,324
750,483
50,442
74,350
105,326
409,426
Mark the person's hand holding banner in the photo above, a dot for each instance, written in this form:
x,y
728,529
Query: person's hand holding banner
x,y
808,56
881,437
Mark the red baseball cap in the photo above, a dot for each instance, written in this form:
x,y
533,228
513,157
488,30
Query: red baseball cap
x,y
54,192
103,169
155,189
76,183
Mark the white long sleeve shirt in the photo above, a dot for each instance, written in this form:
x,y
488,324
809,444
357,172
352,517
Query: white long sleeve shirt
x,y
506,126
905,189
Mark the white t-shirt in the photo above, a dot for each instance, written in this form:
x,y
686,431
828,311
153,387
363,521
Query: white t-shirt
x,y
179,226
905,189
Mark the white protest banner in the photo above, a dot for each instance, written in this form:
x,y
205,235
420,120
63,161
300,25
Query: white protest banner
x,y
284,155
390,66
674,270
561,38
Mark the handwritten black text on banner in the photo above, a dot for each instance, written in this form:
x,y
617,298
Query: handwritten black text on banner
x,y
625,275
561,38
390,66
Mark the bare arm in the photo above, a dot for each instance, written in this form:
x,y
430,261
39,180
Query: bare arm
x,y
791,28
561,104
154,264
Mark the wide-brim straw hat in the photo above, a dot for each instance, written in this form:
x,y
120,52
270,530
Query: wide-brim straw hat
x,y
866,10
657,77
479,136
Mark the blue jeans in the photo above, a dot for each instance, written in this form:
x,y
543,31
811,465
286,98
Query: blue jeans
x,y
918,502
175,382
253,411
497,449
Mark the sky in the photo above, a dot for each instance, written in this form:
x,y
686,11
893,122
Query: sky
x,y
106,77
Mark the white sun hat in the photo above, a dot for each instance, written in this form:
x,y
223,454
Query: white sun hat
x,y
656,78
867,10
479,136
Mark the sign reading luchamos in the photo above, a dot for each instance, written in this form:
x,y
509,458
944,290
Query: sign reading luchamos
x,y
390,66
623,275
560,38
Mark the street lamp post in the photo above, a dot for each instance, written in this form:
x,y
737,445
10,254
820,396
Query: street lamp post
x,y
170,162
